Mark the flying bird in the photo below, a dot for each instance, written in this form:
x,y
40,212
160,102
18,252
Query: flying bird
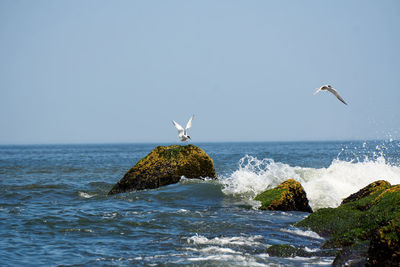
x,y
330,89
182,133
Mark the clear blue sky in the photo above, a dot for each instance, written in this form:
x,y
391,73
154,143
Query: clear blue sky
x,y
120,71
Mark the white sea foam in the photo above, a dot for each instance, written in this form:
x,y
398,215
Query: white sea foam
x,y
219,257
110,215
85,195
311,249
325,187
302,233
313,261
325,261
223,241
235,259
254,176
182,211
214,250
234,251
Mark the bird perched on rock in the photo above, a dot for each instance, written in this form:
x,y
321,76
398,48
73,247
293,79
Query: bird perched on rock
x,y
182,133
330,89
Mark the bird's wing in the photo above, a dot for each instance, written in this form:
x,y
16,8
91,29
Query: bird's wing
x,y
316,92
333,91
189,124
178,127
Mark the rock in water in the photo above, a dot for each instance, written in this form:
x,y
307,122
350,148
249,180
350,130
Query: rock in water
x,y
384,249
164,166
366,224
288,196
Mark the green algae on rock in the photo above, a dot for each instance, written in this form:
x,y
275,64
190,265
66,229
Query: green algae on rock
x,y
368,190
164,166
384,249
367,220
288,196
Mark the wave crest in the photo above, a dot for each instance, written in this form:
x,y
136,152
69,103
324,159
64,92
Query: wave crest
x,y
325,187
254,176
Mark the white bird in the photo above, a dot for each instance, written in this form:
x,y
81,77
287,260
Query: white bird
x,y
330,89
182,133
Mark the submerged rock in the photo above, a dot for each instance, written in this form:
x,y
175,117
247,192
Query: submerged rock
x,y
286,251
366,223
288,196
354,256
289,251
164,166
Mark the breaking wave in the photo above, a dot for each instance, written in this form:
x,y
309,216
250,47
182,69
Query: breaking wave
x,y
325,187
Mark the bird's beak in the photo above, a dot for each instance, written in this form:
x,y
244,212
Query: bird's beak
x,y
316,91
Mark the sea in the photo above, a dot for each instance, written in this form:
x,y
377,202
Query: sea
x,y
55,211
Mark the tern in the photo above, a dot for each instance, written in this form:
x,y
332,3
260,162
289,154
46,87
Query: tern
x,y
330,89
182,133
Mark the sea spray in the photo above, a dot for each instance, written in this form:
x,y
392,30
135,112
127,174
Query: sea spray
x,y
325,187
254,176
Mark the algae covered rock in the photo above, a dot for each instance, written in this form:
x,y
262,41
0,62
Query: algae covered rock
x,y
366,191
164,166
384,249
288,196
367,220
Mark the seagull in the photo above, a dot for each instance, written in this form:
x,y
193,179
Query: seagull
x,y
330,89
182,133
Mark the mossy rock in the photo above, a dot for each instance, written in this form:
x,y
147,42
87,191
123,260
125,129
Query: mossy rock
x,y
288,196
366,191
384,249
362,219
164,166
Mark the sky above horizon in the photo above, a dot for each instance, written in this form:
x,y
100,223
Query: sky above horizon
x,y
120,71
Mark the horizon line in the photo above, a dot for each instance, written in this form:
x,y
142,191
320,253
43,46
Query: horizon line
x,y
200,142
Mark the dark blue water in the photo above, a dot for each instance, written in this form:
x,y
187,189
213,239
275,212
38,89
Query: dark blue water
x,y
54,208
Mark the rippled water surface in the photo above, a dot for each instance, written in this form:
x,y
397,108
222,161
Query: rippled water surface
x,y
54,208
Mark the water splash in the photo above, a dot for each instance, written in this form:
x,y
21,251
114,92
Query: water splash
x,y
254,176
325,187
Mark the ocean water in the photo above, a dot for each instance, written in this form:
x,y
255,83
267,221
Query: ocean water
x,y
54,208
